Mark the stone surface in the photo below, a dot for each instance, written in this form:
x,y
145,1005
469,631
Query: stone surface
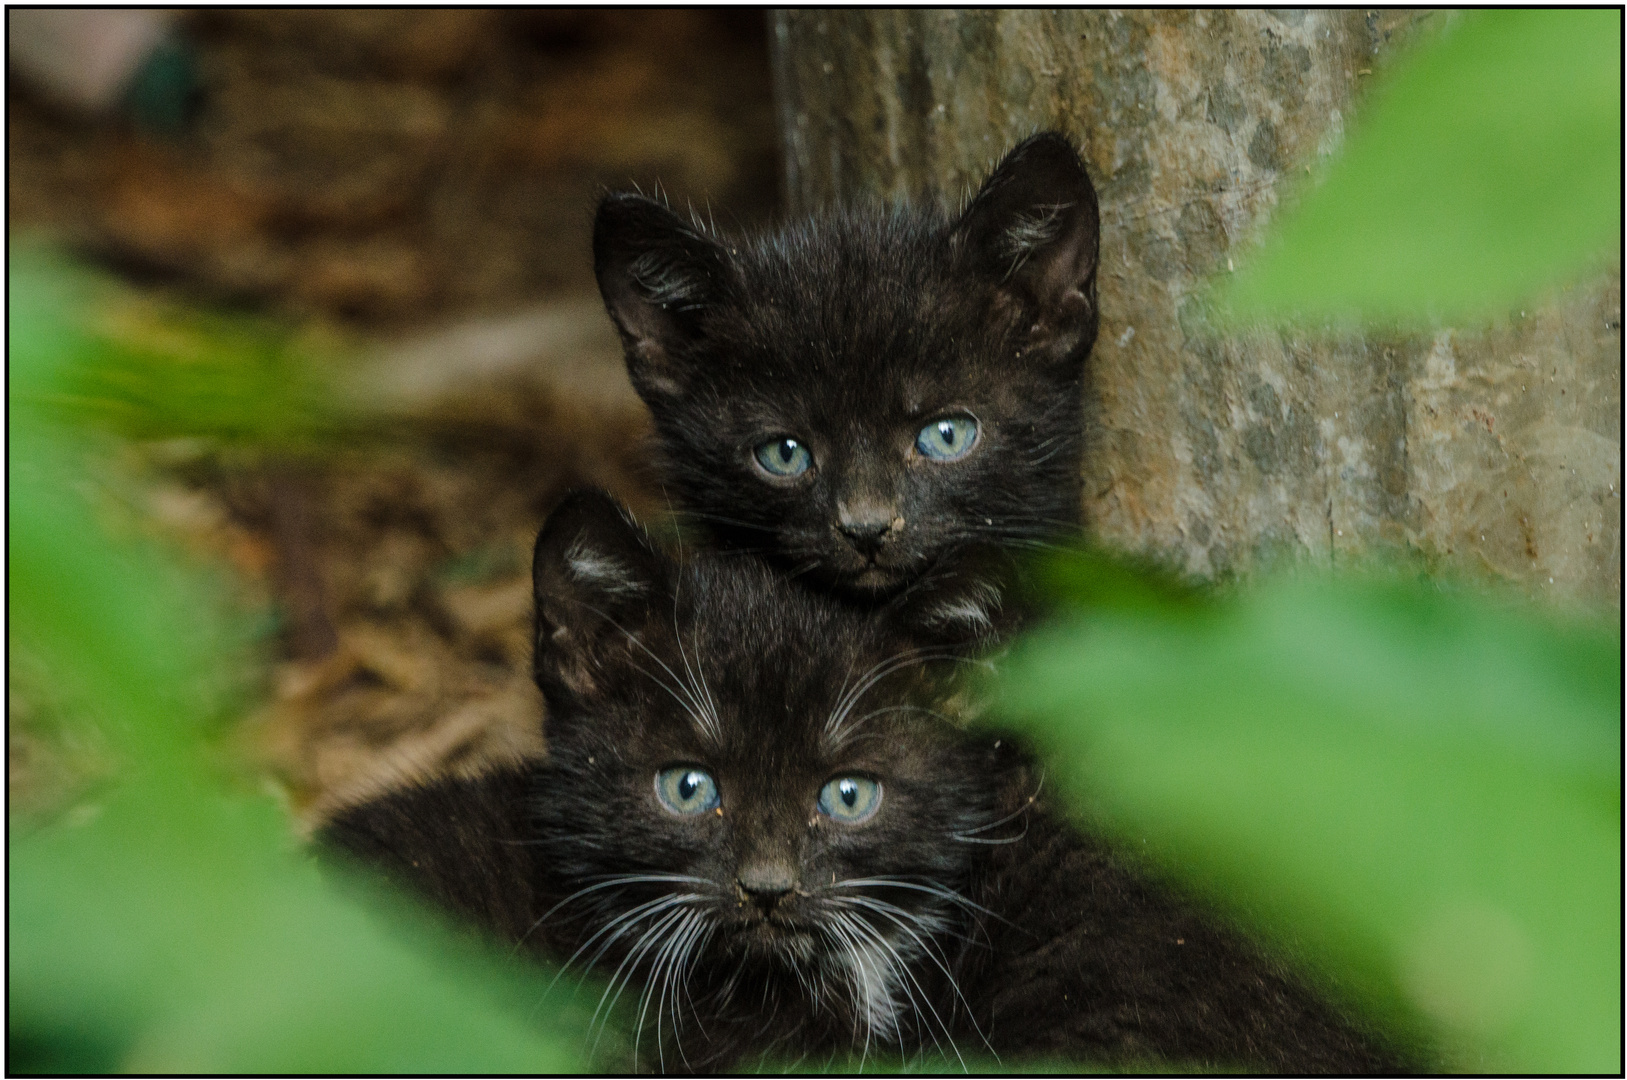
x,y
1493,451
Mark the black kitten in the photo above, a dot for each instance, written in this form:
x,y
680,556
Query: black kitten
x,y
860,393
758,814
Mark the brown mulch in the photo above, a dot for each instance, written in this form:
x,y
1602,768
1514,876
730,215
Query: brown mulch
x,y
424,181
400,167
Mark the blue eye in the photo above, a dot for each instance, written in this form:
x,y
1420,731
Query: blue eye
x,y
784,457
686,790
948,438
850,799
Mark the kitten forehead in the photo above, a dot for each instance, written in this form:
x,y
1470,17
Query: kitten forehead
x,y
774,661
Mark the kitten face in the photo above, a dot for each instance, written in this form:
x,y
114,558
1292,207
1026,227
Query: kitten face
x,y
748,787
862,393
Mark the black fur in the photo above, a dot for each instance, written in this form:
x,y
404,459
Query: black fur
x,y
997,927
851,331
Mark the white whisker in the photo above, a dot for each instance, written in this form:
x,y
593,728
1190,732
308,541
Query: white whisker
x,y
941,891
878,672
659,973
909,923
626,921
630,964
678,689
968,836
617,880
903,968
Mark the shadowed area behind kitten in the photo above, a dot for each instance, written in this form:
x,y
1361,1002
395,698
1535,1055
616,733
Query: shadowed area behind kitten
x,y
763,817
864,391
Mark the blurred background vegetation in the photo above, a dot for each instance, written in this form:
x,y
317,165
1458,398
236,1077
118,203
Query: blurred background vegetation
x,y
271,490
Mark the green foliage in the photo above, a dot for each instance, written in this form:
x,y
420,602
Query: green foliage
x,y
177,931
1486,168
1416,789
169,924
152,371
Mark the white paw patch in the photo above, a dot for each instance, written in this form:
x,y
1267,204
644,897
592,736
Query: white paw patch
x,y
873,978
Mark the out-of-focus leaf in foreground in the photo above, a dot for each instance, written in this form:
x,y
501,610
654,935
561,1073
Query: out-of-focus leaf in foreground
x,y
1418,790
148,370
168,924
1480,170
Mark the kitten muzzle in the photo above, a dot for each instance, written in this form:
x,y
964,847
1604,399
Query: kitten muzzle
x,y
873,578
770,938
875,568
868,536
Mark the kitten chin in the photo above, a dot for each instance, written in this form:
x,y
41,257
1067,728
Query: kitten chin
x,y
865,391
869,579
762,812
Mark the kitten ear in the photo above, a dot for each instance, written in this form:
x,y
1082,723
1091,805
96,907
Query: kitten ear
x,y
657,276
963,604
1034,231
593,574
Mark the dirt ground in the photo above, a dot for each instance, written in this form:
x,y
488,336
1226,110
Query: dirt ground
x,y
421,183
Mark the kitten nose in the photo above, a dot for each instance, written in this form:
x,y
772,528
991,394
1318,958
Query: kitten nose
x,y
866,525
765,883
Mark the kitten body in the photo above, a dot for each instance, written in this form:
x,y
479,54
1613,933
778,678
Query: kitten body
x,y
687,838
800,380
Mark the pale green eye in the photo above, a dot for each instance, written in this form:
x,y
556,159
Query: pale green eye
x,y
685,789
948,438
850,799
784,457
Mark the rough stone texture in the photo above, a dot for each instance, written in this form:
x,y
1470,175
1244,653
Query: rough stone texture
x,y
1489,452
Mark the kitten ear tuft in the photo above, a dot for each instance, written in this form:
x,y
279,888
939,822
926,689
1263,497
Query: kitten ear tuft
x,y
1033,231
592,574
658,276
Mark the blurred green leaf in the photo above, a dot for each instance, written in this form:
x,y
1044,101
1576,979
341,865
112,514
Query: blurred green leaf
x,y
1485,168
146,370
169,925
181,927
1419,790
1098,580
